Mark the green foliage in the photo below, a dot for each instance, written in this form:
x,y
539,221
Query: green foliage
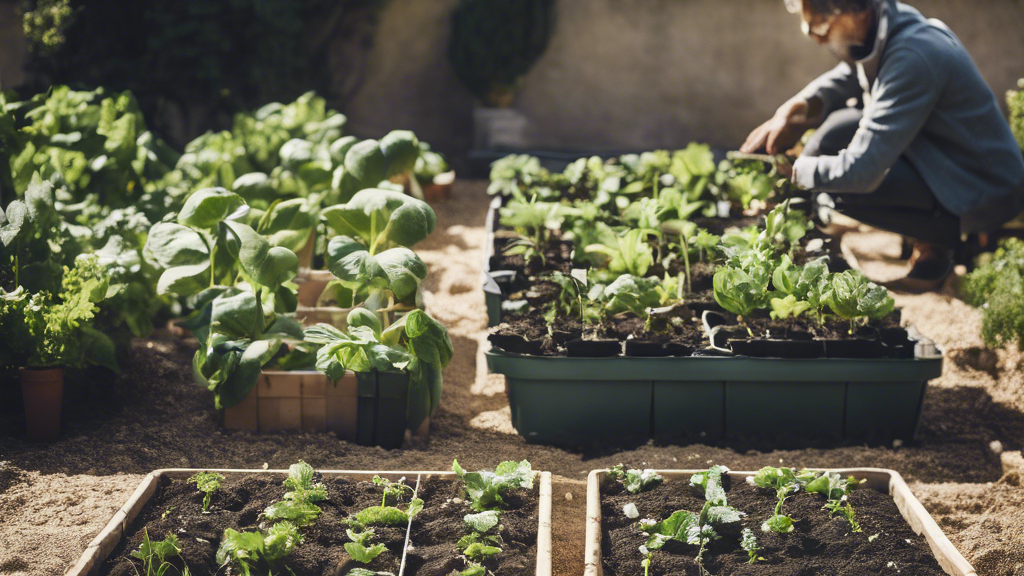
x,y
854,297
742,291
416,344
634,480
298,506
155,555
1015,103
249,551
785,481
362,554
495,42
514,175
482,522
836,490
748,543
179,56
485,488
207,483
395,273
386,515
997,287
628,253
381,219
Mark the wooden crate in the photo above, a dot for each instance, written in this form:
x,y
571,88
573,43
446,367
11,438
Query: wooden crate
x,y
299,401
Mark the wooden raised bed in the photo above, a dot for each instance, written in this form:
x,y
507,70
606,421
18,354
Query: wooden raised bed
x,y
885,481
120,526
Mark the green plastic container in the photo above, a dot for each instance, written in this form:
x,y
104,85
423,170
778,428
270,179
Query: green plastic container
x,y
382,405
568,400
492,291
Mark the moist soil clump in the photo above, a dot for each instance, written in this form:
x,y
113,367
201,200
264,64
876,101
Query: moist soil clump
x,y
817,545
441,524
176,508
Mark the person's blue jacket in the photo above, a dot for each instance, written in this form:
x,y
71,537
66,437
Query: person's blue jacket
x,y
924,99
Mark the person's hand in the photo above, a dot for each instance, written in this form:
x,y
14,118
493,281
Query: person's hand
x,y
782,132
785,168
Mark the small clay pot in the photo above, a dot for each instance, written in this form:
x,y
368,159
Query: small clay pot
x,y
42,390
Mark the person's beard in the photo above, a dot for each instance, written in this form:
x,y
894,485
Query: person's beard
x,y
848,52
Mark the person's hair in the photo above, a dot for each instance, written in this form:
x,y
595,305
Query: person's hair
x,y
837,6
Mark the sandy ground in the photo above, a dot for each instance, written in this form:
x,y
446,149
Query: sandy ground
x,y
61,495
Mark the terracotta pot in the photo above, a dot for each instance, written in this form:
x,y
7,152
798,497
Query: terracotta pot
x,y
440,189
42,390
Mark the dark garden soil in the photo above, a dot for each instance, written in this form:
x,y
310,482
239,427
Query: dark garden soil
x,y
118,428
440,525
176,508
817,545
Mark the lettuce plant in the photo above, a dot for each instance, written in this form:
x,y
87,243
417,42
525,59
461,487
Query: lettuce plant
x,y
299,503
207,483
625,253
806,288
416,344
485,488
634,480
784,481
854,297
836,490
249,551
155,555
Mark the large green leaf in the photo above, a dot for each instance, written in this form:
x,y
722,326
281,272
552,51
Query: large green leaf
x,y
401,149
268,265
207,208
172,245
289,224
382,219
352,263
12,223
99,349
365,164
237,316
405,270
428,339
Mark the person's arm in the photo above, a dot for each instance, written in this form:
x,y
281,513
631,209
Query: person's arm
x,y
833,89
908,88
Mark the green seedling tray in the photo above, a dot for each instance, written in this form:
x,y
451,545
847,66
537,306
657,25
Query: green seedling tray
x,y
492,291
565,401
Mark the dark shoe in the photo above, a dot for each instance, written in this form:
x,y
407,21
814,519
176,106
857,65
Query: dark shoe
x,y
928,273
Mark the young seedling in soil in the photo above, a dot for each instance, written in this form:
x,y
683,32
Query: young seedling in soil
x,y
694,529
396,489
384,515
154,555
207,483
749,544
248,551
836,490
634,480
485,490
858,299
785,482
298,503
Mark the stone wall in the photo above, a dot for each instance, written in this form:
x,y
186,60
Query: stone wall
x,y
640,74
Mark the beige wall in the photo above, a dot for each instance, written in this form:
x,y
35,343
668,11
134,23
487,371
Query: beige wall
x,y
638,74
13,48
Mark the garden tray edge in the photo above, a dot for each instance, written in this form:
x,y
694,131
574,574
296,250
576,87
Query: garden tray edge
x,y
104,543
920,521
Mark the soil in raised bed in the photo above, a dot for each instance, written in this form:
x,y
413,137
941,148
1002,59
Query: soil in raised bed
x,y
817,545
176,508
441,524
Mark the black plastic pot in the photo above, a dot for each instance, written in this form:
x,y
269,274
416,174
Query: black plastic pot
x,y
383,398
515,344
765,348
645,349
593,348
854,348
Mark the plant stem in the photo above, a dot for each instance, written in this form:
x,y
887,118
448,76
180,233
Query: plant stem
x,y
686,260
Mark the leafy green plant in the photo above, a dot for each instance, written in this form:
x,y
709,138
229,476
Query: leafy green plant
x,y
207,483
382,219
748,543
854,298
1015,103
248,551
785,482
695,529
742,292
807,288
996,286
634,480
485,488
626,253
836,490
514,175
394,489
155,555
534,220
416,344
298,505
361,553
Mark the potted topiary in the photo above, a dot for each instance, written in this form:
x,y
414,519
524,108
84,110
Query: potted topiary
x,y
493,44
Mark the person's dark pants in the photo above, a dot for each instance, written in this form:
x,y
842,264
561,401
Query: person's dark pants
x,y
902,204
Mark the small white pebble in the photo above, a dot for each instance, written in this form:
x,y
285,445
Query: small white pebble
x,y
203,541
149,344
674,459
908,541
266,466
710,461
780,460
996,447
750,480
630,511
897,443
568,496
873,538
456,500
